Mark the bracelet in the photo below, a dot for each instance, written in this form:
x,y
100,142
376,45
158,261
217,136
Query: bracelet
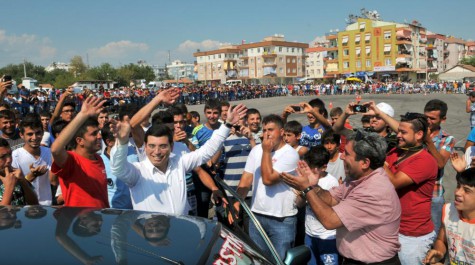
x,y
304,192
229,125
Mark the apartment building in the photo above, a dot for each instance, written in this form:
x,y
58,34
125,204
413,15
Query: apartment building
x,y
217,66
470,47
314,64
454,51
435,53
272,60
331,60
179,70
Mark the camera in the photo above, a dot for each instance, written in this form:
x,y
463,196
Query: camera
x,y
360,108
7,78
296,108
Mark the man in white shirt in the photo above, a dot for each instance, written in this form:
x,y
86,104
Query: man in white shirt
x,y
273,201
158,183
34,160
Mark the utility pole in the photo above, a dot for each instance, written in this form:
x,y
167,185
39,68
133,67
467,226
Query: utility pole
x,y
24,67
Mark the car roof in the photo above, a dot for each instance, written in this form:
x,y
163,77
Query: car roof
x,y
47,235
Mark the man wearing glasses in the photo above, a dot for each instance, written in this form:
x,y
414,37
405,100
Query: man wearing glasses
x,y
413,172
365,210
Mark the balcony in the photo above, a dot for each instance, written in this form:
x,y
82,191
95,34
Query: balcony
x,y
331,36
269,55
334,48
430,47
404,42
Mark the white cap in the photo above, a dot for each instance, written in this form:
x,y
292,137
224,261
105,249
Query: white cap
x,y
386,108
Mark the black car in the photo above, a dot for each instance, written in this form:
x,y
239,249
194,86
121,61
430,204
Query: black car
x,y
48,235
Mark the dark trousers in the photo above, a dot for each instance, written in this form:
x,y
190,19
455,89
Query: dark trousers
x,y
392,261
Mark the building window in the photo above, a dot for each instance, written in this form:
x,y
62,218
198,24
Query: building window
x,y
288,60
387,61
367,37
281,59
368,50
294,71
280,49
368,63
288,70
346,52
344,41
258,60
293,49
318,71
387,35
293,60
346,65
357,38
358,64
358,52
387,48
362,25
281,70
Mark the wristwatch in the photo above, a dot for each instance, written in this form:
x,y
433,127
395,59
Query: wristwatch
x,y
229,125
304,192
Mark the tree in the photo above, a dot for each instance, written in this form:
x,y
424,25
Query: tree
x,y
77,66
470,61
16,71
103,72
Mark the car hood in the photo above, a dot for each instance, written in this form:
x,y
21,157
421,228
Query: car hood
x,y
67,235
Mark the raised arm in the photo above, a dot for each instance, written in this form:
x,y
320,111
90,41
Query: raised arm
x,y
390,121
59,106
91,107
120,167
166,96
339,126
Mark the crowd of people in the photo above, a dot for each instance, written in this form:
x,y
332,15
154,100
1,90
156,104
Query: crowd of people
x,y
371,195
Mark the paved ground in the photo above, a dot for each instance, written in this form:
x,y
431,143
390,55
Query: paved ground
x,y
457,119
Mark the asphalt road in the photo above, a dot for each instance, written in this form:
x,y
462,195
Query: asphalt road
x,y
457,123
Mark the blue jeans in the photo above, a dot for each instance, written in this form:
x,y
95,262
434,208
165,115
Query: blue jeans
x,y
281,232
324,251
436,212
414,249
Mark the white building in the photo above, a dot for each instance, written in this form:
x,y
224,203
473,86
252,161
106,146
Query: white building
x,y
178,70
57,65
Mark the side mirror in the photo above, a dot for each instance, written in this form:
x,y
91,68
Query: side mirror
x,y
298,255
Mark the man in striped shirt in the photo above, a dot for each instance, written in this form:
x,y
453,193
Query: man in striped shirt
x,y
440,145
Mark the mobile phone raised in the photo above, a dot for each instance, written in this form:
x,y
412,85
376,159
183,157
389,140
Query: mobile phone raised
x,y
360,108
296,108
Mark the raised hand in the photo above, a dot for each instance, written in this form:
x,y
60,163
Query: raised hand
x,y
169,96
121,130
458,162
236,114
92,106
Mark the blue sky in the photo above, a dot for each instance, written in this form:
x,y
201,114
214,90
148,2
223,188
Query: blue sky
x,y
121,32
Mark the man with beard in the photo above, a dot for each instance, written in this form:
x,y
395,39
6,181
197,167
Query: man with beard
x,y
377,124
81,172
34,160
8,129
365,211
413,172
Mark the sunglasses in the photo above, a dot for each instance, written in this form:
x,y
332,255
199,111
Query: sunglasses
x,y
421,118
361,137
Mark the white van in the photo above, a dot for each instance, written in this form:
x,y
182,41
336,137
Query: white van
x,y
233,82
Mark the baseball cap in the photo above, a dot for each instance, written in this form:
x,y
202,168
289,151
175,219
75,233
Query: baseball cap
x,y
386,108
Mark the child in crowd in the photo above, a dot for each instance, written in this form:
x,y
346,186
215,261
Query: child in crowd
x,y
292,134
457,233
322,242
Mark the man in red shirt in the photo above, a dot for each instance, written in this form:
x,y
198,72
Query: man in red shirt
x,y
81,172
413,171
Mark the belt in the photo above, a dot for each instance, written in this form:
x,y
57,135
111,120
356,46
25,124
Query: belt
x,y
390,261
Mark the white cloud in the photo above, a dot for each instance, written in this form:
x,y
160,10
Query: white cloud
x,y
26,46
119,49
185,50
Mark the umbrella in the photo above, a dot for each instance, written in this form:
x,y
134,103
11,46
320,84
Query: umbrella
x,y
353,79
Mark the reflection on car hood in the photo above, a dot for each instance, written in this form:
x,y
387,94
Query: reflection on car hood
x,y
46,235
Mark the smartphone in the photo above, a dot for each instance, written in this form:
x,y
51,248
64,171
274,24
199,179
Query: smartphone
x,y
296,108
7,78
237,127
360,108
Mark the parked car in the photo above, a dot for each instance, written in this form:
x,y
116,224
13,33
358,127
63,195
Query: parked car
x,y
67,235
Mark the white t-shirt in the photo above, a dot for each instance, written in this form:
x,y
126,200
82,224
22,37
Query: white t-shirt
x,y
337,168
46,139
22,159
277,200
313,227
